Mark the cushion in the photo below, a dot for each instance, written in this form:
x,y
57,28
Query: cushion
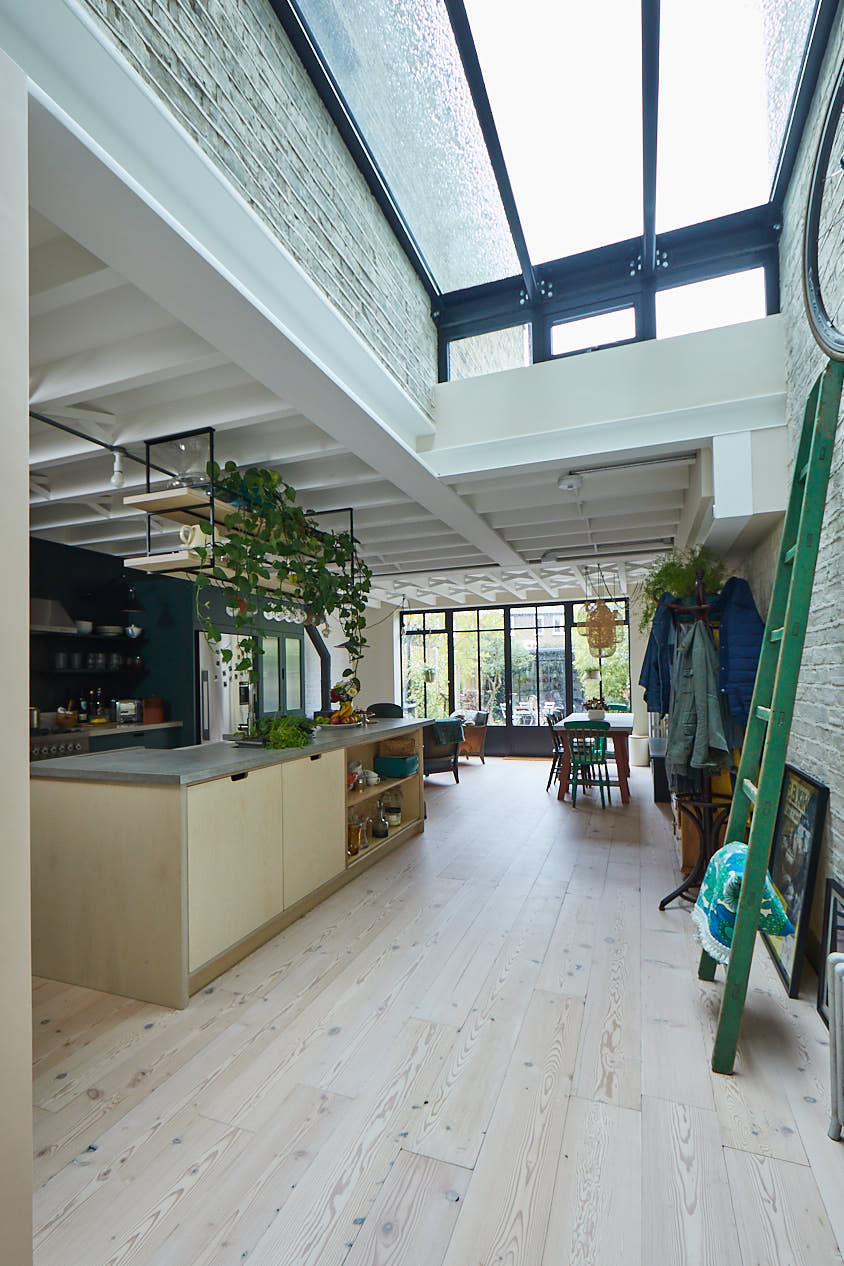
x,y
714,912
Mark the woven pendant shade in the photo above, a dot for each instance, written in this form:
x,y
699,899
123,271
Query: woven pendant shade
x,y
603,628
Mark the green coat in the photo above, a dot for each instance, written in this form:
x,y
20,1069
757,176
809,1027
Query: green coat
x,y
697,725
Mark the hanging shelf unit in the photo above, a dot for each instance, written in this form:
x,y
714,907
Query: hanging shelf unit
x,y
185,506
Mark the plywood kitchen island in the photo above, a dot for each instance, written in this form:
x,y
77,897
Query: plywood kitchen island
x,y
155,871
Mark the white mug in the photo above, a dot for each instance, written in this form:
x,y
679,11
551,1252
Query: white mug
x,y
372,778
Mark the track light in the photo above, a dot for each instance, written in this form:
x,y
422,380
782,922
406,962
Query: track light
x,y
117,476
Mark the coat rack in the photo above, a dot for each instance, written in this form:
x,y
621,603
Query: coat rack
x,y
708,811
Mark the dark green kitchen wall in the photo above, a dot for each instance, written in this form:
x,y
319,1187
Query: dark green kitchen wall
x,y
88,585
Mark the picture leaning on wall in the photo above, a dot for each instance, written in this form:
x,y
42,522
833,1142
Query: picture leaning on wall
x,y
793,865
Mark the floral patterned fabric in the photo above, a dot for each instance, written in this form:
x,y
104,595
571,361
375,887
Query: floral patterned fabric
x,y
714,912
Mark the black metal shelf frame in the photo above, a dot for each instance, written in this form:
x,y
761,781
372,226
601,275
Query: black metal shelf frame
x,y
619,275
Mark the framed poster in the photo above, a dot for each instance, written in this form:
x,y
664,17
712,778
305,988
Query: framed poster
x,y
832,941
793,866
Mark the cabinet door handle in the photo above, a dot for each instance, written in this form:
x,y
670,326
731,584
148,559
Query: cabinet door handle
x,y
239,777
316,756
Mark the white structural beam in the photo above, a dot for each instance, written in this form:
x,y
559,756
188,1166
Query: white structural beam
x,y
750,488
134,362
681,390
61,273
149,203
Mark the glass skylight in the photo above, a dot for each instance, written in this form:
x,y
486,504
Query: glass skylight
x,y
565,85
705,305
399,70
727,71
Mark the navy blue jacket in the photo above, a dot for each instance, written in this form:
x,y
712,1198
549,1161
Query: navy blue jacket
x,y
739,646
659,657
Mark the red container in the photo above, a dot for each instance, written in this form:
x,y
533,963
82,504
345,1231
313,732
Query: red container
x,y
153,710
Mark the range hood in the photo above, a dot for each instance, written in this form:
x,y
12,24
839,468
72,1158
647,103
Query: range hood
x,y
47,615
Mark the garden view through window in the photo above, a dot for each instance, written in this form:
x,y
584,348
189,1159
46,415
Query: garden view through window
x,y
517,663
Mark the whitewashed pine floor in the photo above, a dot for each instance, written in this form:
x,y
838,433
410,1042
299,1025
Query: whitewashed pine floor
x,y
490,1048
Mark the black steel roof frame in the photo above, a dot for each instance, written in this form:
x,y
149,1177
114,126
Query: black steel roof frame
x,y
310,54
474,77
804,91
621,272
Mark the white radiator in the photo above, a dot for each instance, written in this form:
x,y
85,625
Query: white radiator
x,y
835,994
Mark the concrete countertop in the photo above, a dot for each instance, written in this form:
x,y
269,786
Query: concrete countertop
x,y
184,766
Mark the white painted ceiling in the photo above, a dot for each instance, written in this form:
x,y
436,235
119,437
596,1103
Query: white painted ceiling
x,y
108,361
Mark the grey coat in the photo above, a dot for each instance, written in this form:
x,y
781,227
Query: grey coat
x,y
698,726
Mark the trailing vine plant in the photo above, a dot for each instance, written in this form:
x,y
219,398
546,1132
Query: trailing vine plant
x,y
270,558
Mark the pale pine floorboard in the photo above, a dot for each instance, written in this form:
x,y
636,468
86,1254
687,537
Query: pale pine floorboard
x,y
490,1048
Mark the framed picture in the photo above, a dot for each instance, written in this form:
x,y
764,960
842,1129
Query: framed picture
x,y
832,941
793,866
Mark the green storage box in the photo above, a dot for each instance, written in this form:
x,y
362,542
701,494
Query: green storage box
x,y
395,766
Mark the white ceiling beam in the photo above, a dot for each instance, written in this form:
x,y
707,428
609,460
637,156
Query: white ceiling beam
x,y
63,295
61,272
200,252
621,572
243,405
134,362
580,408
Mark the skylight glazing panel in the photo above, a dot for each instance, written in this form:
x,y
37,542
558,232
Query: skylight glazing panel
x,y
398,67
565,85
727,74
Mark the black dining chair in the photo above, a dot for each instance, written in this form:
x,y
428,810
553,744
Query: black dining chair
x,y
557,754
385,710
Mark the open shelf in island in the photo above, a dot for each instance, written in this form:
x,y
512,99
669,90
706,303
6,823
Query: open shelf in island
x,y
396,836
368,793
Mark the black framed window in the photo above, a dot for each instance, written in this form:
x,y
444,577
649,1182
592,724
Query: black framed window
x,y
516,662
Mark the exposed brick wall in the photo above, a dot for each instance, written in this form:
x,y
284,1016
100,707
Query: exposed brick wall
x,y
815,744
488,353
227,72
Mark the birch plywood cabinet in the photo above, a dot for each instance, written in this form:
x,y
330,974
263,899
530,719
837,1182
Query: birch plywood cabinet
x,y
155,871
314,823
235,873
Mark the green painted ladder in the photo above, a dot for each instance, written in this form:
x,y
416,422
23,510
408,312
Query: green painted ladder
x,y
769,723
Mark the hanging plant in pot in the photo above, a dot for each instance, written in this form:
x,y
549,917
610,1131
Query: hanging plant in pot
x,y
273,560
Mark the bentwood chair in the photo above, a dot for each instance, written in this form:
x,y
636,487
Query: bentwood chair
x,y
588,752
557,754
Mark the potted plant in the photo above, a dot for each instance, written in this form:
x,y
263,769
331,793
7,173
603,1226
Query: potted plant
x,y
675,573
427,673
275,561
592,674
595,708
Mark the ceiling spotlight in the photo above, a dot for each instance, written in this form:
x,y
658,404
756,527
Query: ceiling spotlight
x,y
569,483
117,476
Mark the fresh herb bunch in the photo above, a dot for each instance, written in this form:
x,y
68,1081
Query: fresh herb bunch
x,y
675,573
278,732
275,561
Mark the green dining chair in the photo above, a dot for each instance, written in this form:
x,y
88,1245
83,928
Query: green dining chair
x,y
588,751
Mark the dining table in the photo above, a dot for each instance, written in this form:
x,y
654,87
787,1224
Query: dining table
x,y
621,727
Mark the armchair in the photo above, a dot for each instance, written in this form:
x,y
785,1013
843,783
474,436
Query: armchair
x,y
438,758
474,736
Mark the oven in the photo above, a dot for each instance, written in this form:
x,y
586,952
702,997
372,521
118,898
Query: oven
x,y
59,743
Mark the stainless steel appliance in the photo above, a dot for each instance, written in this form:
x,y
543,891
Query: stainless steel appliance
x,y
225,696
61,743
128,711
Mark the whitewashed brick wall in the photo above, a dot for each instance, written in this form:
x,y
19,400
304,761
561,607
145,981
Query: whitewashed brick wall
x,y
816,742
229,75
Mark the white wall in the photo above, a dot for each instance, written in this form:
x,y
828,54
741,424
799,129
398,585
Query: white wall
x,y
15,1043
379,672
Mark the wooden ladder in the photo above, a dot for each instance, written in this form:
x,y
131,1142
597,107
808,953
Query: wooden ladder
x,y
766,738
